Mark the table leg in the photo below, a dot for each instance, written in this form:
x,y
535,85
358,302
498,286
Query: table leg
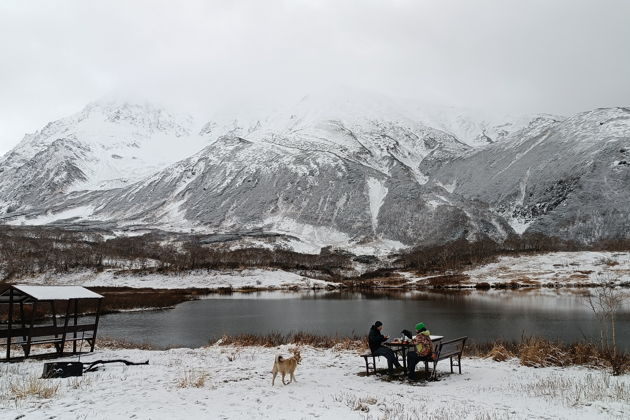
x,y
404,356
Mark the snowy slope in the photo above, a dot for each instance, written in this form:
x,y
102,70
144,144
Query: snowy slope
x,y
106,145
568,178
334,168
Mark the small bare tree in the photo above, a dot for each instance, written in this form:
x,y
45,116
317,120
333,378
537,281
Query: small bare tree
x,y
606,301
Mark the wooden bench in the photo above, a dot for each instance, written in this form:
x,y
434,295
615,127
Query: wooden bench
x,y
369,365
448,350
367,355
56,335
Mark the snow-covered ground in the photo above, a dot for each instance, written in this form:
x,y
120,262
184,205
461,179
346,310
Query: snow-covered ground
x,y
567,269
233,383
203,279
556,267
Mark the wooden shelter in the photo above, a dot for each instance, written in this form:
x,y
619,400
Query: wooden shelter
x,y
25,303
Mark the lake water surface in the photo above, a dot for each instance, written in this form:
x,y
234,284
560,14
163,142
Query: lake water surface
x,y
481,315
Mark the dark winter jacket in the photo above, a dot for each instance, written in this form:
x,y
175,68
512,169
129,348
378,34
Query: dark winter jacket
x,y
375,339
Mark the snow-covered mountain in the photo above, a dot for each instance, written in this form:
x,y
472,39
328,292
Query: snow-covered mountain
x,y
330,169
107,145
568,178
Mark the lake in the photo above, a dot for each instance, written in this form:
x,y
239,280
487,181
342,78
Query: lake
x,y
481,315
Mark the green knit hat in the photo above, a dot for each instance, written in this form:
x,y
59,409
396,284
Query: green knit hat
x,y
419,326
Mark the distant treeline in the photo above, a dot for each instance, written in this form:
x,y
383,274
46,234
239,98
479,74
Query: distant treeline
x,y
39,249
32,250
461,253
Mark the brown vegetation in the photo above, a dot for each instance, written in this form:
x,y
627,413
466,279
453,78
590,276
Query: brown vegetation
x,y
531,351
462,254
33,250
300,338
31,387
104,342
539,352
124,298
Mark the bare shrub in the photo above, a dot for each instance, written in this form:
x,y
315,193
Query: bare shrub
x,y
607,261
606,301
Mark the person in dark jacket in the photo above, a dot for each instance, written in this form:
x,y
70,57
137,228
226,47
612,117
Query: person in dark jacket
x,y
376,340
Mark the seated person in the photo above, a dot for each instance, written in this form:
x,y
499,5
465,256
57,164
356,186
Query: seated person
x,y
376,340
422,350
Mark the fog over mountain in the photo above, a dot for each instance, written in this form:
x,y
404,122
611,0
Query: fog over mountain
x,y
200,57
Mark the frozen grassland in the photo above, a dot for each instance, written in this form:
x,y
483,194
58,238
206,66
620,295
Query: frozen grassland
x,y
227,382
203,279
558,269
566,269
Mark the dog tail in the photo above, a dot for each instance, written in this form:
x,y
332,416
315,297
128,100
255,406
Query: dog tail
x,y
279,358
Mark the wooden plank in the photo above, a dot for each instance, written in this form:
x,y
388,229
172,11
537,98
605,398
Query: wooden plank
x,y
47,330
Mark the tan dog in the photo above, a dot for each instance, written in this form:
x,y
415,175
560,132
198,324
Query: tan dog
x,y
286,366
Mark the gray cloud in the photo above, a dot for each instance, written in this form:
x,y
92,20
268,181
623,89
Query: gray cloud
x,y
559,56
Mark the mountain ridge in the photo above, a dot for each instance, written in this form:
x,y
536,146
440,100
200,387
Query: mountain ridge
x,y
326,175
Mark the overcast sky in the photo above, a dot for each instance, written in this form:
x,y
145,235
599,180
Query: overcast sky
x,y
560,56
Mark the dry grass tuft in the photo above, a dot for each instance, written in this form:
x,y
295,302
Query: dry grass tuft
x,y
32,386
607,261
576,391
355,403
499,353
537,352
192,379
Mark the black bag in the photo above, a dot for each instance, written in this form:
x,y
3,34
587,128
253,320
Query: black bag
x,y
62,369
407,334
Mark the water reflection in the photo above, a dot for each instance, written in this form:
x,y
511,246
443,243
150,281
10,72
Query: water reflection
x,y
482,315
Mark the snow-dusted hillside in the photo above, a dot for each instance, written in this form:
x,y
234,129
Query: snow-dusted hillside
x,y
331,169
107,145
341,168
568,178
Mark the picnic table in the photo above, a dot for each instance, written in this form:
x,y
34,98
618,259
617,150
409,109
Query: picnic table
x,y
403,346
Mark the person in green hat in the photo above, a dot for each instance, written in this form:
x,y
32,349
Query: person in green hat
x,y
422,351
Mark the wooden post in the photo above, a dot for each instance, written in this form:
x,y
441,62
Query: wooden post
x,y
54,314
22,321
98,314
27,349
65,327
10,322
74,334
